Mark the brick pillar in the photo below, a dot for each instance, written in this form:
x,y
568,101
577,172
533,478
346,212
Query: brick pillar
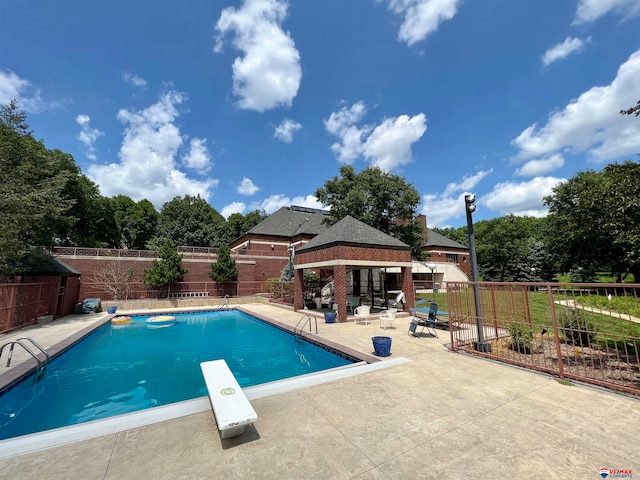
x,y
298,281
407,287
340,291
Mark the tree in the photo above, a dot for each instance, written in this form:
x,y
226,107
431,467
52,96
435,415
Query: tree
x,y
224,268
136,221
503,247
238,224
167,270
189,221
595,220
380,199
632,111
31,187
114,278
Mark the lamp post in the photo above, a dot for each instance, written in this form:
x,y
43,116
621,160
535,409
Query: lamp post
x,y
432,267
470,207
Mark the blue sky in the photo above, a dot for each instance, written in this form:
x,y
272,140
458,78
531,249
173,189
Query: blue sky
x,y
256,103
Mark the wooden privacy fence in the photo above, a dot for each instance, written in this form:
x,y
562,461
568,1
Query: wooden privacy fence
x,y
585,332
21,304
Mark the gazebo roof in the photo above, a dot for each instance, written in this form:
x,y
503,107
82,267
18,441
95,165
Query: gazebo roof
x,y
350,231
290,221
434,239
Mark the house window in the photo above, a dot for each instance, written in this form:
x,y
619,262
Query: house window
x,y
452,257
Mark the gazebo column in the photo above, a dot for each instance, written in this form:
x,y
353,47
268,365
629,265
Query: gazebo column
x,y
340,291
298,282
406,278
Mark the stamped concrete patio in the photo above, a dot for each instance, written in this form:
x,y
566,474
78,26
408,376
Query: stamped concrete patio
x,y
441,415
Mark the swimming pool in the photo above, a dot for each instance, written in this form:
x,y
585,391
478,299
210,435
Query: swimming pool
x,y
129,367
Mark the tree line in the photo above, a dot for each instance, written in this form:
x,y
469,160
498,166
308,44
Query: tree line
x,y
46,200
593,222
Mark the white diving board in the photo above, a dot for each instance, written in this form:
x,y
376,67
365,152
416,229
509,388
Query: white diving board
x,y
230,406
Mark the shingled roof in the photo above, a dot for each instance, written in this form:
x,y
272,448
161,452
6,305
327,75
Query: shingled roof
x,y
434,239
350,231
290,221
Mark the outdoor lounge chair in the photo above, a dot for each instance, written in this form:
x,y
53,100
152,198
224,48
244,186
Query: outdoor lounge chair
x,y
388,318
362,314
428,322
352,303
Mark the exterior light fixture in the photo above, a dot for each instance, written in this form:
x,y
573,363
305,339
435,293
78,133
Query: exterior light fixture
x,y
470,207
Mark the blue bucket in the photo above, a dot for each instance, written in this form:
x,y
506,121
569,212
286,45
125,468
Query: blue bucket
x,y
111,309
382,346
330,317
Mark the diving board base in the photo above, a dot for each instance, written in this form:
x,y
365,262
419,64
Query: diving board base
x,y
231,408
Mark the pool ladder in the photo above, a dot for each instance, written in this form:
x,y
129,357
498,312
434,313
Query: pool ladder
x,y
42,364
225,302
302,324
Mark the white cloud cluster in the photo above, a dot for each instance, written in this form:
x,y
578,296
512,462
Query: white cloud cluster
x,y
422,17
563,49
198,156
590,10
521,198
247,187
286,129
537,167
590,123
235,207
88,135
29,98
274,202
387,145
148,166
268,75
134,80
450,204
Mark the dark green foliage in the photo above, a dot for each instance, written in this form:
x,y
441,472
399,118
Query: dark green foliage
x,y
136,221
578,329
238,224
190,221
382,200
595,220
224,269
31,188
167,270
632,111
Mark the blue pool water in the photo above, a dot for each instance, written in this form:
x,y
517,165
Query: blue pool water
x,y
124,368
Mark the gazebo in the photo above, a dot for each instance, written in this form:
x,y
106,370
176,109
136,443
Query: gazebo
x,y
348,245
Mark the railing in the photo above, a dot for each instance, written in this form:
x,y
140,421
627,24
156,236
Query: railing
x,y
586,332
42,364
301,325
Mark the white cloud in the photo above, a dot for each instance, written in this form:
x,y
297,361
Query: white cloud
x,y
148,166
523,198
88,135
269,73
198,156
564,49
387,145
590,123
235,207
422,17
274,202
286,129
450,204
29,98
535,168
590,10
247,187
134,80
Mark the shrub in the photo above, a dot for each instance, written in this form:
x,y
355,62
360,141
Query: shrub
x,y
521,337
578,330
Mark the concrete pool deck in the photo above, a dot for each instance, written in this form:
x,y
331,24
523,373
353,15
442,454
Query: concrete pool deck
x,y
440,415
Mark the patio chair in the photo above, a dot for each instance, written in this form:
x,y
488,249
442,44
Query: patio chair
x,y
352,303
420,321
362,314
388,318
